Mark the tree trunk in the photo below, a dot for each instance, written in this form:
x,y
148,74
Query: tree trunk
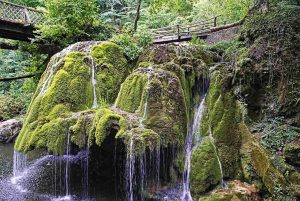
x,y
137,17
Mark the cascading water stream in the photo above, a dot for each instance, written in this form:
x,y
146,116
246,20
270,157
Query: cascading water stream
x,y
19,169
193,132
130,163
94,82
212,141
67,168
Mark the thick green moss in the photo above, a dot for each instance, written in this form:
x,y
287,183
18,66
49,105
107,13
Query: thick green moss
x,y
166,109
111,70
157,97
205,170
132,91
104,121
81,129
142,139
223,115
67,93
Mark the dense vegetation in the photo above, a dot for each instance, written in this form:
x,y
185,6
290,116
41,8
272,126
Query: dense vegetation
x,y
69,21
145,95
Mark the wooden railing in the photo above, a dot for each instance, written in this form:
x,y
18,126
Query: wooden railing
x,y
19,14
179,31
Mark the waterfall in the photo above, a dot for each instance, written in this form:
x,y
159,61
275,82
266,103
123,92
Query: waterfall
x,y
130,163
146,101
212,141
94,82
193,131
142,174
54,63
67,167
19,169
86,173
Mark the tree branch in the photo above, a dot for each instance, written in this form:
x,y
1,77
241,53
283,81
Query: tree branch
x,y
7,79
137,17
8,46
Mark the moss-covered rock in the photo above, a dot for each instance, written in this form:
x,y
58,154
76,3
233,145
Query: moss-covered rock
x,y
80,130
104,121
205,169
157,97
222,115
111,70
258,168
140,140
236,191
66,90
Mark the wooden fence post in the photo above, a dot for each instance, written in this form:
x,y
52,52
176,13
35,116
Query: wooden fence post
x,y
178,31
27,20
215,21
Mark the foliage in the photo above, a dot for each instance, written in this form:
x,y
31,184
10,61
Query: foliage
x,y
10,107
181,7
276,134
68,21
227,10
30,3
16,95
133,45
197,41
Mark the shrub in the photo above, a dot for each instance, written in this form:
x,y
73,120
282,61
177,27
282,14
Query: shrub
x,y
133,45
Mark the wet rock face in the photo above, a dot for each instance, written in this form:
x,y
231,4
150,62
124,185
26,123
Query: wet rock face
x,y
9,130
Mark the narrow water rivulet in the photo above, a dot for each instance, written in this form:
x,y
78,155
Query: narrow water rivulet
x,y
94,82
193,133
212,141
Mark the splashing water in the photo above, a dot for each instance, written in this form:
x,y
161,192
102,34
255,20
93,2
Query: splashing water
x,y
19,169
212,141
193,132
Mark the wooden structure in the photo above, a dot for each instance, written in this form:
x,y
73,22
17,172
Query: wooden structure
x,y
179,33
17,22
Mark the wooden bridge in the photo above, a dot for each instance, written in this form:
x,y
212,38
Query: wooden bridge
x,y
17,22
179,33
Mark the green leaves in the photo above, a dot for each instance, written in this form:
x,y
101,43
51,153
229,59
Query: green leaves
x,y
69,21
